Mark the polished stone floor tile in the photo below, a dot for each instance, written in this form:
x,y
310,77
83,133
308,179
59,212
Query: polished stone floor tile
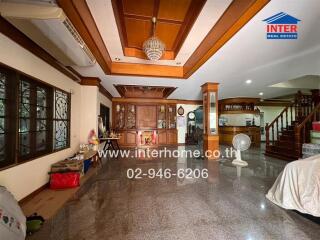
x,y
223,206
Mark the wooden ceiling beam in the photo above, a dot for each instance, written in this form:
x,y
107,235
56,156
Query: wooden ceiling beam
x,y
153,100
90,81
146,70
234,18
134,91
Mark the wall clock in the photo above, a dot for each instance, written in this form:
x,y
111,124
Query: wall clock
x,y
180,111
191,116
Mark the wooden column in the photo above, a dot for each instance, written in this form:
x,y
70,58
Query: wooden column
x,y
210,120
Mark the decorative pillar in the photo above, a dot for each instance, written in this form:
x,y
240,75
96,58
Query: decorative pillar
x,y
210,120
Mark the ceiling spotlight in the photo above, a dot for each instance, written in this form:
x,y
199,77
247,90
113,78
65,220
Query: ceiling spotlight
x,y
178,63
117,59
261,93
248,81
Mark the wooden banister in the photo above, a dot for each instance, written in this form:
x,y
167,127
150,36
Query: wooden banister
x,y
304,111
302,130
278,121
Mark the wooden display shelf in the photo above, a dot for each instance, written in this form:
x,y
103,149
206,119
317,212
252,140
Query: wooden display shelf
x,y
145,117
240,112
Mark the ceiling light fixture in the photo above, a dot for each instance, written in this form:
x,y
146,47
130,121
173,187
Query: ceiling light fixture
x,y
117,59
261,93
249,81
153,47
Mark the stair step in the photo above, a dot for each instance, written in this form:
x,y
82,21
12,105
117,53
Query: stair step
x,y
286,138
290,128
284,149
282,142
289,131
283,156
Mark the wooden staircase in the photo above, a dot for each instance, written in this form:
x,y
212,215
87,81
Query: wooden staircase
x,y
286,134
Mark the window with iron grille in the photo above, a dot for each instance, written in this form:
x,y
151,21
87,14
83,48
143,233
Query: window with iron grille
x,y
34,118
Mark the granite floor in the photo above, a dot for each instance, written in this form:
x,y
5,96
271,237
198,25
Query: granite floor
x,y
223,206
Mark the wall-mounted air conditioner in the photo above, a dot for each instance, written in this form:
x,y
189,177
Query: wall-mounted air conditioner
x,y
48,26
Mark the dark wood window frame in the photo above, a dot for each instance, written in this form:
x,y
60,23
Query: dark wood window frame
x,y
12,103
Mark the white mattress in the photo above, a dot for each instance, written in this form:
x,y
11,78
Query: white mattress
x,y
298,186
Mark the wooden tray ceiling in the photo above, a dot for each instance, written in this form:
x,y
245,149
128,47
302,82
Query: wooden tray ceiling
x,y
174,21
136,91
233,19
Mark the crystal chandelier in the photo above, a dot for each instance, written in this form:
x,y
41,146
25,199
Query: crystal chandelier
x,y
153,47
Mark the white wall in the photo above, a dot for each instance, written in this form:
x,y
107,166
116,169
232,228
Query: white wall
x,y
26,178
183,130
270,113
240,119
89,111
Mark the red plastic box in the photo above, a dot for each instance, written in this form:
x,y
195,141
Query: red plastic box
x,y
316,126
64,180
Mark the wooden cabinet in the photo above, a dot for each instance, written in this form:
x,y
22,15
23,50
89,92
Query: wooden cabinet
x,y
171,116
172,136
144,124
119,116
147,117
238,105
162,137
131,138
131,116
122,136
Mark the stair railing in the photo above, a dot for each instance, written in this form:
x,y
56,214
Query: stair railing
x,y
304,104
283,120
302,130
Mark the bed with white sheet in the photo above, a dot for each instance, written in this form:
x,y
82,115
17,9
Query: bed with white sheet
x,y
298,186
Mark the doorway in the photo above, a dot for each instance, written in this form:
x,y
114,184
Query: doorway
x,y
105,115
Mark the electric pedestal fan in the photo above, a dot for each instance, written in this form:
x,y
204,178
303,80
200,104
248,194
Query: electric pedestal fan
x,y
241,142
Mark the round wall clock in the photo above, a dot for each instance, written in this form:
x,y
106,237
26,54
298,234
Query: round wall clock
x,y
191,115
180,111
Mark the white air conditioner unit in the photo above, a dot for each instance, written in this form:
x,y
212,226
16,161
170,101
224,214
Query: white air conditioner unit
x,y
49,27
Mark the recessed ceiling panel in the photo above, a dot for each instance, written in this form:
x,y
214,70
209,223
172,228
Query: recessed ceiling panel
x,y
135,40
168,34
124,28
174,9
174,21
138,7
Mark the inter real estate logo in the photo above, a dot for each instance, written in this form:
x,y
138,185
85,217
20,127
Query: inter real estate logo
x,y
282,26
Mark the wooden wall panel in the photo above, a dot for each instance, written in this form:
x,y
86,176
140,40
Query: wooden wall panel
x,y
135,40
131,138
162,137
172,136
174,21
139,7
174,9
147,116
168,33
